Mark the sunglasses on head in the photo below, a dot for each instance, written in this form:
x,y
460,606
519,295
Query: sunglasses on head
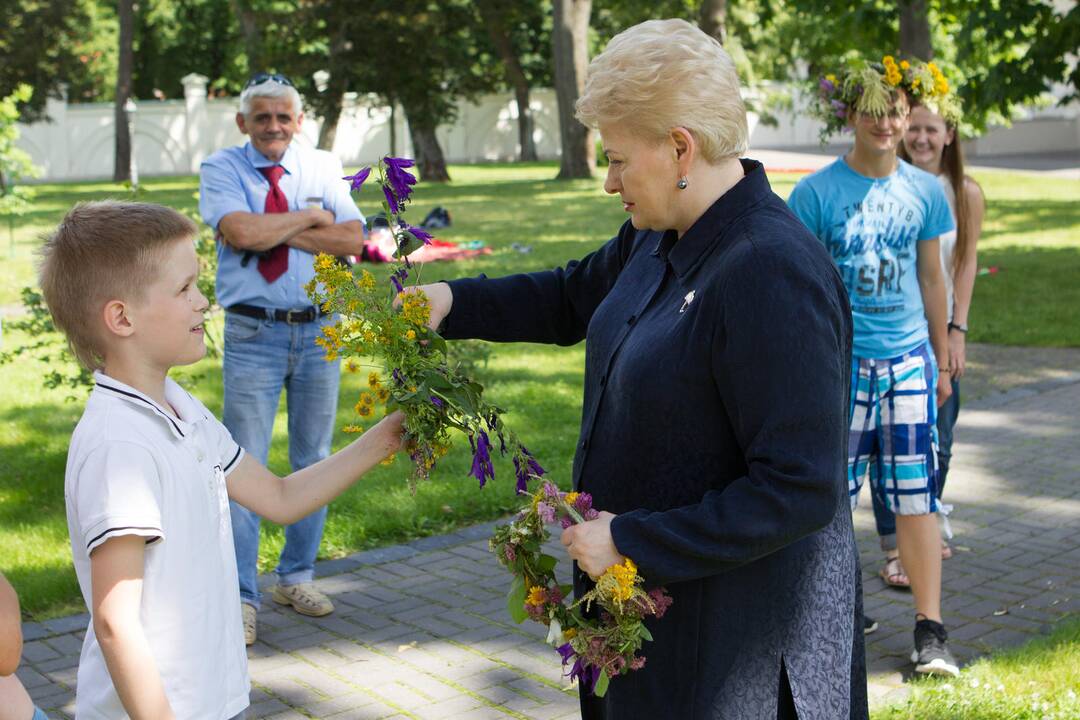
x,y
260,78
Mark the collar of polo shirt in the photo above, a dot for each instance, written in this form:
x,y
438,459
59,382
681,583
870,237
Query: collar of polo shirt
x,y
179,423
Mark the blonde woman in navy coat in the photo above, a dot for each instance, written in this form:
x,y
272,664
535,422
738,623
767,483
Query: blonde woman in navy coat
x,y
714,422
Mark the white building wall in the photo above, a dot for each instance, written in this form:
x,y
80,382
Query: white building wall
x,y
173,137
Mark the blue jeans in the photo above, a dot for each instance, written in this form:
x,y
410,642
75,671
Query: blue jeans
x,y
262,357
946,421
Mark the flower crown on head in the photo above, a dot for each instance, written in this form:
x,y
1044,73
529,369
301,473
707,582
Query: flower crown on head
x,y
869,87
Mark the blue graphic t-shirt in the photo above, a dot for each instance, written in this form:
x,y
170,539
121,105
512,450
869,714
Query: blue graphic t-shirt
x,y
870,227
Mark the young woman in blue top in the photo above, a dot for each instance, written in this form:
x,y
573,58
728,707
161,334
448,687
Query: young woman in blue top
x,y
932,144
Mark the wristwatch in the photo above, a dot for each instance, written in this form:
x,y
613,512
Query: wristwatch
x,y
961,328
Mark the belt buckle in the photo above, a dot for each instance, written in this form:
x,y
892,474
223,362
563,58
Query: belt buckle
x,y
296,317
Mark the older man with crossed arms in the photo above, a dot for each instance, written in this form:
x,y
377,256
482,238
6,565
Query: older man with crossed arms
x,y
274,203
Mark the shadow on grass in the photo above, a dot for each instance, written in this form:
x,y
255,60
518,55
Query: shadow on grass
x,y
1023,217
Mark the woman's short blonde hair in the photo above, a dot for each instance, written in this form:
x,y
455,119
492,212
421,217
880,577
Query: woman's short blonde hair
x,y
664,74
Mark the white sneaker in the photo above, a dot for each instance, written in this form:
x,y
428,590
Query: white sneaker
x,y
304,598
248,612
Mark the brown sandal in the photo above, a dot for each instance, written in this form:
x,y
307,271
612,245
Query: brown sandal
x,y
893,573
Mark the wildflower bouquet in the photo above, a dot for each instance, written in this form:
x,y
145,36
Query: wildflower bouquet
x,y
599,648
868,87
415,375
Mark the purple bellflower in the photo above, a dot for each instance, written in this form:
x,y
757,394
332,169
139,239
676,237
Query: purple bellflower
x,y
531,467
585,674
391,200
355,181
400,180
419,233
482,469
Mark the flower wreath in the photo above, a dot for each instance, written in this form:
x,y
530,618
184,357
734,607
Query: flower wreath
x,y
600,648
869,87
390,325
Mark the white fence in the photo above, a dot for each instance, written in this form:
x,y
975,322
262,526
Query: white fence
x,y
173,137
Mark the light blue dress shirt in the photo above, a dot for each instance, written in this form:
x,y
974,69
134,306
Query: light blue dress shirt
x,y
230,181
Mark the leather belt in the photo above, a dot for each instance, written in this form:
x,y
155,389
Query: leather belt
x,y
292,317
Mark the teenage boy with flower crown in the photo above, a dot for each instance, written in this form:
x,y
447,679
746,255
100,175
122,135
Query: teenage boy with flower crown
x,y
880,218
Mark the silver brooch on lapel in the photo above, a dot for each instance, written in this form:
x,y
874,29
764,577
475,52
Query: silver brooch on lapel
x,y
686,301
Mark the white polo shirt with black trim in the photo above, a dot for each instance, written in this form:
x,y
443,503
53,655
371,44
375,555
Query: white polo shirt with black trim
x,y
137,468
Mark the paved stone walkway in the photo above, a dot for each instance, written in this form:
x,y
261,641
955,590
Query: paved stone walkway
x,y
421,630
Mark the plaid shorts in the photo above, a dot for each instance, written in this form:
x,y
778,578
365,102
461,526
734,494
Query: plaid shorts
x,y
893,434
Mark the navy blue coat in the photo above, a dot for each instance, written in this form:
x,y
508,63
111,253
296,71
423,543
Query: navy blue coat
x,y
714,425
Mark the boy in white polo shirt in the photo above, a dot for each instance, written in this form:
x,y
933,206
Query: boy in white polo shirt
x,y
150,472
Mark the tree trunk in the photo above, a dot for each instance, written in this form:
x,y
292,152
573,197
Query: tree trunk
x,y
429,155
712,19
526,143
335,89
122,166
915,30
249,31
570,55
328,129
492,16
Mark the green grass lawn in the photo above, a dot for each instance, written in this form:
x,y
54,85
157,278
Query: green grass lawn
x,y
1039,681
1032,234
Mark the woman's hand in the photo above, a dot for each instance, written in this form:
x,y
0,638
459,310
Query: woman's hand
x,y
944,386
591,545
441,299
957,356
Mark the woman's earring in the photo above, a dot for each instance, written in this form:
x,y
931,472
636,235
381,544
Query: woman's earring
x,y
682,183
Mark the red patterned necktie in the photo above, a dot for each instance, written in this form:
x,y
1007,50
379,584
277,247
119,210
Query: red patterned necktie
x,y
274,262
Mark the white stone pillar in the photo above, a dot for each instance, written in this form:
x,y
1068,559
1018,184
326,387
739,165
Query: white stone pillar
x,y
58,163
196,126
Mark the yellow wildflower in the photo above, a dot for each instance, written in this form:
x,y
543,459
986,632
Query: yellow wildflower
x,y
569,634
888,60
324,262
366,281
904,65
366,398
537,596
571,498
363,410
352,365
382,394
411,335
352,429
389,461
625,577
831,78
915,84
373,380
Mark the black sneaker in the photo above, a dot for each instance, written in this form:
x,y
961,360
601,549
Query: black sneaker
x,y
931,655
869,625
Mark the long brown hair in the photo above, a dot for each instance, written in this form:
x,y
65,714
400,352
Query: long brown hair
x,y
952,164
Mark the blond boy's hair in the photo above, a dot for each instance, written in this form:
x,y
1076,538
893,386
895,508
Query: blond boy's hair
x,y
103,251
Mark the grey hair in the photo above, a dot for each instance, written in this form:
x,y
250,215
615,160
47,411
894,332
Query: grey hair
x,y
270,89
